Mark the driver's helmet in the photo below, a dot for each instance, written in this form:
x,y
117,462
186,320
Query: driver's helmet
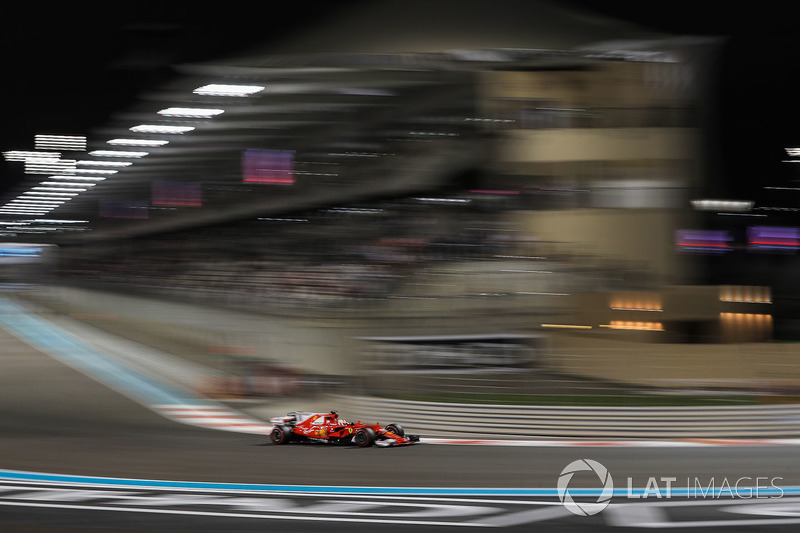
x,y
334,415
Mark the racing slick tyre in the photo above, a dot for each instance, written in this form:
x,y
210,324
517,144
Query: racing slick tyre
x,y
364,437
280,435
397,429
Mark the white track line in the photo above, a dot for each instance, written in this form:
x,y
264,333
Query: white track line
x,y
212,416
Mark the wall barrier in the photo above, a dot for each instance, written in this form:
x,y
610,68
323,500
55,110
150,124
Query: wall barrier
x,y
489,421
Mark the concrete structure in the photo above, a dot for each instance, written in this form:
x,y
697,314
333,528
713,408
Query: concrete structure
x,y
333,344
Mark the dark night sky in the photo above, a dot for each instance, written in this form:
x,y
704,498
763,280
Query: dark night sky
x,y
67,69
754,102
89,64
76,64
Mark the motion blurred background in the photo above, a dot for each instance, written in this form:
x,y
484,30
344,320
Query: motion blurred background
x,y
494,202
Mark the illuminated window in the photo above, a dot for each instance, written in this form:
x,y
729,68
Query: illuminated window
x,y
218,89
274,167
703,241
192,112
636,301
773,238
159,128
745,294
177,194
638,326
745,327
60,142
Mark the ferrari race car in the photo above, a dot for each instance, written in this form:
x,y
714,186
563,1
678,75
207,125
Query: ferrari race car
x,y
299,426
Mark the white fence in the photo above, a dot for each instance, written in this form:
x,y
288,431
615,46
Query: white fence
x,y
486,421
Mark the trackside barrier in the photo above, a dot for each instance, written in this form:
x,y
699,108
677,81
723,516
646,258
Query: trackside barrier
x,y
560,421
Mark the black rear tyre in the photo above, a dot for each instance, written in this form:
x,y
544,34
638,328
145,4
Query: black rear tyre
x,y
280,435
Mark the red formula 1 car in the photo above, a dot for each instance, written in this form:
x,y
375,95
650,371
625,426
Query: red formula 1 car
x,y
330,428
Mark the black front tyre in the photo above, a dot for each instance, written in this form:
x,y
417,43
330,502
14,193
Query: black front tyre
x,y
397,429
364,437
280,435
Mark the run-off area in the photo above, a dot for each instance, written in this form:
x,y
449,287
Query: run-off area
x,y
392,509
353,508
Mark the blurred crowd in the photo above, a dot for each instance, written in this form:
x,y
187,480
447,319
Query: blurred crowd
x,y
318,259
